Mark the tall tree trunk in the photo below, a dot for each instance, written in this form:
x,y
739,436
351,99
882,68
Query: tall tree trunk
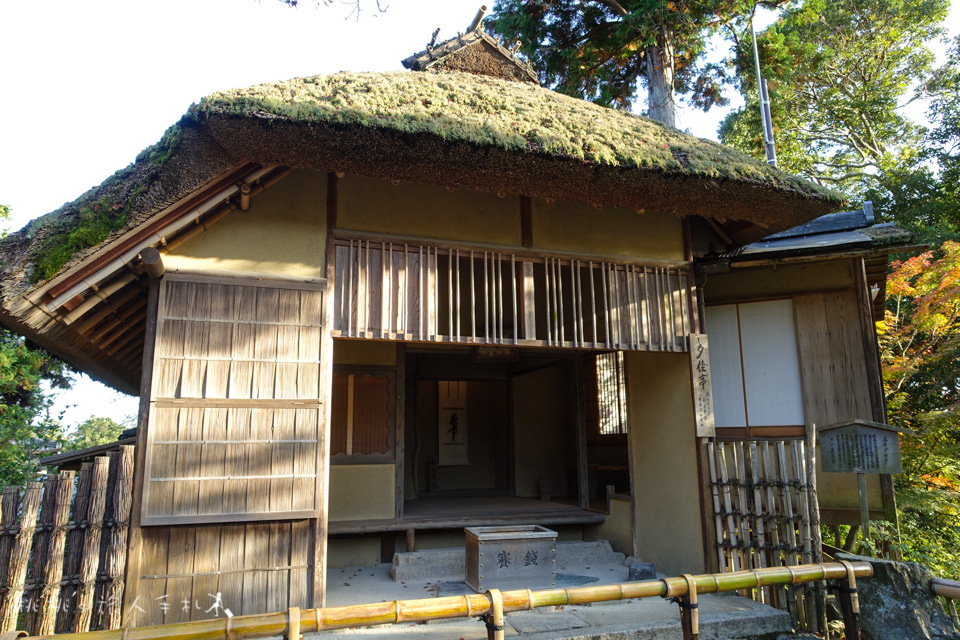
x,y
659,72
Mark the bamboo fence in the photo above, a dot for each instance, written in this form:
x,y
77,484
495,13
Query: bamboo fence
x,y
764,505
63,546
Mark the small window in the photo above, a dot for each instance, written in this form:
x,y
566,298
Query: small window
x,y
362,415
606,397
756,371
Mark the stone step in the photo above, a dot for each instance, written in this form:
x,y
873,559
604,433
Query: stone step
x,y
448,564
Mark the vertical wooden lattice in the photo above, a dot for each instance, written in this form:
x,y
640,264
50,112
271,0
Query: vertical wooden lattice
x,y
416,292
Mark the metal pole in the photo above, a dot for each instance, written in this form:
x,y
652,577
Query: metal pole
x,y
766,124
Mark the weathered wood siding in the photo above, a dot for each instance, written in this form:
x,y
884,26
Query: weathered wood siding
x,y
252,568
836,387
235,405
832,364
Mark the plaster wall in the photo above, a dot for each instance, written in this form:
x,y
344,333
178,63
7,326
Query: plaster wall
x,y
362,492
283,233
784,280
663,445
352,552
576,226
544,431
617,529
427,211
373,353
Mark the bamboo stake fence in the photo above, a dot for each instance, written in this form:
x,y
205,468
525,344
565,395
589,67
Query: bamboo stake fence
x,y
489,606
63,547
764,498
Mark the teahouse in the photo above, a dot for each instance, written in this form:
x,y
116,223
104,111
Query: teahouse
x,y
366,310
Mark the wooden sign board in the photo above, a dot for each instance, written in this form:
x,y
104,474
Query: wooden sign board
x,y
702,385
860,446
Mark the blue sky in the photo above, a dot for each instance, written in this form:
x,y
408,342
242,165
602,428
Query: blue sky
x,y
87,84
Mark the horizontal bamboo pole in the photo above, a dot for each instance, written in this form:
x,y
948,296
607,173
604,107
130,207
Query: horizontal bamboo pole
x,y
311,620
946,588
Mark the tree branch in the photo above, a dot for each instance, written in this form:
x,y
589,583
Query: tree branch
x,y
614,6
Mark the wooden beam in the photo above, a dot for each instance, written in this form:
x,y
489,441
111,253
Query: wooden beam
x,y
152,262
526,222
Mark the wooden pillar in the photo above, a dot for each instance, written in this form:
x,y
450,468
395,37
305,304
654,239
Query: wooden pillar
x,y
400,422
319,525
135,537
583,480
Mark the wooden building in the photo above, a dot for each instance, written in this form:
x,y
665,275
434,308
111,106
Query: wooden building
x,y
367,308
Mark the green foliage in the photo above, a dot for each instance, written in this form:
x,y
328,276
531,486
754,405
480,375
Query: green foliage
x,y
599,50
95,215
158,154
93,431
93,223
839,71
25,430
920,351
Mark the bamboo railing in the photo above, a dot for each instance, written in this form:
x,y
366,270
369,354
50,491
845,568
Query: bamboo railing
x,y
490,606
949,590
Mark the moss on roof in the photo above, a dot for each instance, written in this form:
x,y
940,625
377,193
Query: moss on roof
x,y
485,111
887,234
88,220
456,129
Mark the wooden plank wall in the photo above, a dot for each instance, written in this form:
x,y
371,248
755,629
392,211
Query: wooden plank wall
x,y
235,403
832,366
419,292
253,568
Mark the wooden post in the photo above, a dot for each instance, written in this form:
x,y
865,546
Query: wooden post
x,y
528,301
816,542
9,503
317,554
850,603
19,556
41,552
134,536
864,506
581,425
116,560
91,545
53,571
717,515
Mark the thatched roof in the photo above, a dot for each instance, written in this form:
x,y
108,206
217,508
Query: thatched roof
x,y
456,130
475,52
451,129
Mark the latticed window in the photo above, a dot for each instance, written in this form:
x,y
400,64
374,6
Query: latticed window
x,y
362,415
606,396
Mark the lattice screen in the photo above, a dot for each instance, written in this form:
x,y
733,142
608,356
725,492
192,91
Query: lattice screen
x,y
235,406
